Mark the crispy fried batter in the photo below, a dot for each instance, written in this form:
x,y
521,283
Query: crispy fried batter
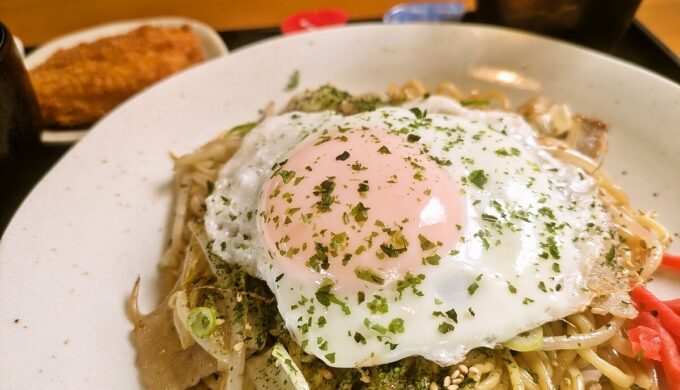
x,y
77,86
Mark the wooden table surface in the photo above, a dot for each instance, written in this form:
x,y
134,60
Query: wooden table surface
x,y
36,21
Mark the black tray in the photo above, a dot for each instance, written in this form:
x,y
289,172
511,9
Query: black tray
x,y
639,46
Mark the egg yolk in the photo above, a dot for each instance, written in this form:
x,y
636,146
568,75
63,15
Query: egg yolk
x,y
361,208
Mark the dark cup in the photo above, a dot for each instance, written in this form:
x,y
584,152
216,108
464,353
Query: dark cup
x,y
19,112
20,149
599,24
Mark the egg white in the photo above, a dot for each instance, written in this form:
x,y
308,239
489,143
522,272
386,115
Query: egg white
x,y
498,281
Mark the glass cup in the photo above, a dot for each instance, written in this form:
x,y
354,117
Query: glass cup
x,y
599,24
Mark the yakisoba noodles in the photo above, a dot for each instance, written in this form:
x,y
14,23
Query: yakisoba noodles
x,y
220,328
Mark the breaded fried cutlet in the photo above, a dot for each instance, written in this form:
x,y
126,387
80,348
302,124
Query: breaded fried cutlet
x,y
77,86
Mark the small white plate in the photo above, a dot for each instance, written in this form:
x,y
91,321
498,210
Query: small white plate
x,y
71,254
213,47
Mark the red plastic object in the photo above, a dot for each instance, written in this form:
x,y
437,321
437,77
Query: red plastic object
x,y
310,20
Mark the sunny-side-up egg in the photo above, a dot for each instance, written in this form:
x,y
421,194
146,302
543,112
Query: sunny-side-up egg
x,y
428,229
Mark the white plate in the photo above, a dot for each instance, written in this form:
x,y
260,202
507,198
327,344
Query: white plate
x,y
98,219
212,44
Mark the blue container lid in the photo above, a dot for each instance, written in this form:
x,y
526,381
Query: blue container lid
x,y
425,12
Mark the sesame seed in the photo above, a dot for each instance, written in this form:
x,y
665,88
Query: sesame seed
x,y
474,374
326,374
365,378
239,346
434,386
447,381
452,387
463,368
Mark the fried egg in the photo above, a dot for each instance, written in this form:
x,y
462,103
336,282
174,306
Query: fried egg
x,y
428,229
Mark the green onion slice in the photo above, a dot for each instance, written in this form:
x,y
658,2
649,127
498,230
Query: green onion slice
x,y
474,102
202,321
242,129
527,341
